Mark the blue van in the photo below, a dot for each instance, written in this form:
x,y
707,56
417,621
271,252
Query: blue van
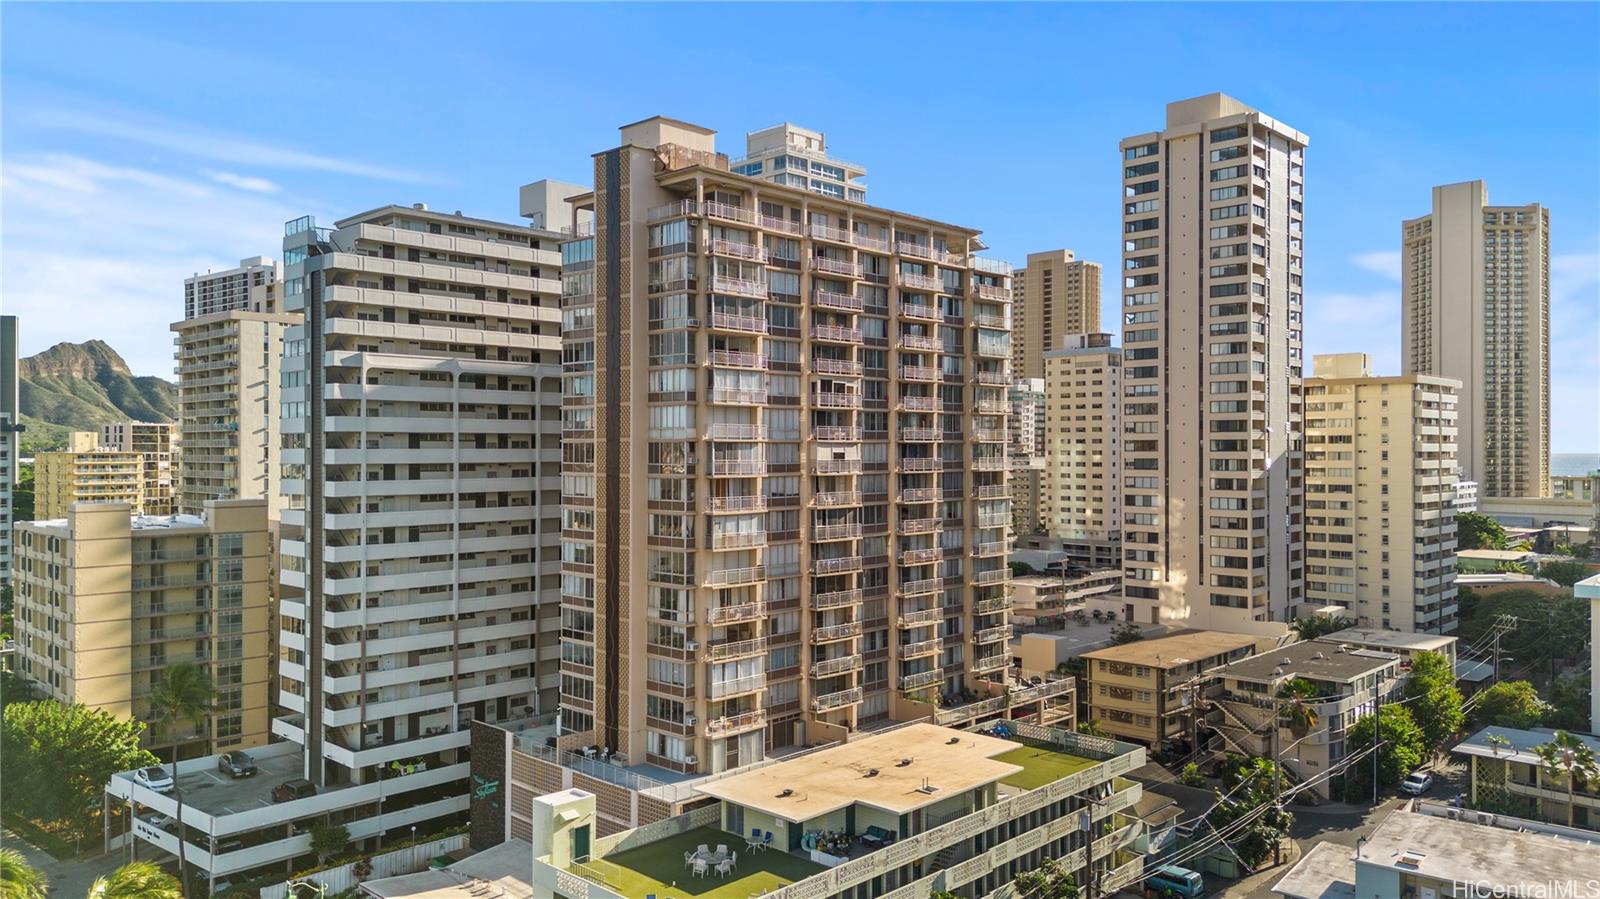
x,y
1174,881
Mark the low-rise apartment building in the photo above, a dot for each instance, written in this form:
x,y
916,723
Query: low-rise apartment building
x,y
1405,645
1505,774
1147,691
1428,849
924,809
1342,685
1042,601
85,472
106,599
158,442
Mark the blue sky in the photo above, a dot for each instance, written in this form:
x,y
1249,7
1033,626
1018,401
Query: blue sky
x,y
143,143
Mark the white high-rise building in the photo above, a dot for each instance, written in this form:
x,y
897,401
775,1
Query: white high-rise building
x,y
1211,345
1475,294
255,285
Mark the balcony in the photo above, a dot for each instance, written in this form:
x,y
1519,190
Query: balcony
x,y
914,250
828,232
680,209
993,634
921,343
738,649
993,407
836,566
921,494
921,679
921,618
744,324
993,548
744,611
992,378
921,587
737,503
918,373
989,463
727,213
735,249
836,334
836,599
867,242
988,320
837,700
920,463
832,632
924,311
836,466
732,396
921,648
730,577
993,293
831,266
835,531
738,468
824,365
921,525
837,498
831,667
736,359
920,556
836,432
919,403
738,539
993,349
736,724
727,431
996,662
836,400
992,576
920,435
989,435
991,605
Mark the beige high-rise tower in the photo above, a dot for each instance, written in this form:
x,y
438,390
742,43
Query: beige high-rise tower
x,y
784,473
1057,294
1211,346
1380,492
1475,282
1082,495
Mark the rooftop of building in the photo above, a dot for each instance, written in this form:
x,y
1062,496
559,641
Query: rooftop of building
x,y
1519,745
1310,659
897,771
1174,650
208,790
505,871
139,524
1371,636
1433,841
421,210
1079,639
1494,555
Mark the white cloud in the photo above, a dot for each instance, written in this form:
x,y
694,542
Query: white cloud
x,y
182,138
94,250
243,182
1367,322
1383,262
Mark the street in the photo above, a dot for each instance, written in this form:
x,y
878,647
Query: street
x,y
69,879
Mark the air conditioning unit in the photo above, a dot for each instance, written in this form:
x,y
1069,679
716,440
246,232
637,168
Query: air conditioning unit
x,y
690,720
691,760
692,645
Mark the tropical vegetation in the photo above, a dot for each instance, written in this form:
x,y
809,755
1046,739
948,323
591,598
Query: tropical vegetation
x,y
1568,758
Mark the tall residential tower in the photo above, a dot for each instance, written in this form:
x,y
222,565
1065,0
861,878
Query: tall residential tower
x,y
784,478
1475,295
1211,334
1057,294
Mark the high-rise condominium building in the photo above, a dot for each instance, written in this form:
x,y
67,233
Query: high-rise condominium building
x,y
421,431
87,472
229,369
1082,493
1058,294
255,286
158,442
1475,296
784,478
1380,492
10,432
798,157
1025,453
107,599
1211,347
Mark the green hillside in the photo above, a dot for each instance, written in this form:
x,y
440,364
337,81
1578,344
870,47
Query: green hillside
x,y
80,386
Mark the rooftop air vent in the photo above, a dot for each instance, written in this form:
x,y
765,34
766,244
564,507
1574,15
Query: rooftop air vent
x,y
871,772
903,762
787,792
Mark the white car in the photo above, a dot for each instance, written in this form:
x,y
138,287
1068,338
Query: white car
x,y
1417,783
154,778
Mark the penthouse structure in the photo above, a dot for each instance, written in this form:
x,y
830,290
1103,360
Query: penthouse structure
x,y
785,492
798,157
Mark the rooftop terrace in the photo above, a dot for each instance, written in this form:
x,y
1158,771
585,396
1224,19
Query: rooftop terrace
x,y
659,869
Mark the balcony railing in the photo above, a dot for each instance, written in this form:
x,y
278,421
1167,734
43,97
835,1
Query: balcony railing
x,y
993,576
920,463
728,321
915,250
992,663
921,679
742,468
836,400
921,587
920,435
921,525
994,548
919,373
744,611
827,366
738,539
738,503
993,634
736,249
830,667
729,213
921,618
736,359
995,378
732,576
836,432
837,466
729,431
832,632
840,699
921,494
835,599
876,244
923,311
837,498
835,531
833,266
919,403
836,334
733,396
990,292
717,652
919,342
732,724
920,556
922,648
836,566
828,232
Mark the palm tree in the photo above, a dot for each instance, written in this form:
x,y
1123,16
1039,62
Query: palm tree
x,y
136,880
18,879
1313,626
1497,742
184,694
1297,710
1569,757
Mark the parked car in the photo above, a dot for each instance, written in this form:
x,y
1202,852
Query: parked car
x,y
293,789
1173,880
1417,783
156,820
236,764
154,778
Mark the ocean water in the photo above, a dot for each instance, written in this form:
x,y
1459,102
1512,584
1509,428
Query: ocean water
x,y
1574,463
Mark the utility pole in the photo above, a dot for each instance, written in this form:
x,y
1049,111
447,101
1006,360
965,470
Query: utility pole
x,y
1377,705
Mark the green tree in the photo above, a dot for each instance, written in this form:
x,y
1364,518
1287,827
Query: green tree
x,y
1191,776
1313,626
329,839
1569,703
22,495
1091,728
1475,530
1511,703
1249,784
1434,700
1566,573
1570,758
1021,569
183,695
1404,747
1048,881
16,688
1126,632
18,879
66,754
1295,705
136,880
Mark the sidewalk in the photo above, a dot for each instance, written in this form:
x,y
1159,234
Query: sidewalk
x,y
68,879
1258,885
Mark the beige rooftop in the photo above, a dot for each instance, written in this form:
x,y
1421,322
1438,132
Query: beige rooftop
x,y
834,778
1178,649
